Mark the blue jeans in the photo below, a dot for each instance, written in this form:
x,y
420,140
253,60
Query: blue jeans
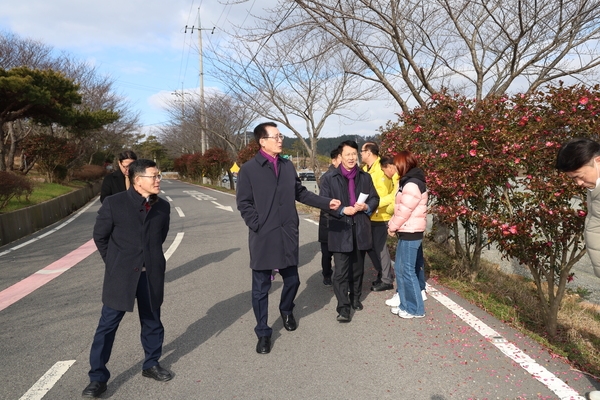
x,y
420,268
407,281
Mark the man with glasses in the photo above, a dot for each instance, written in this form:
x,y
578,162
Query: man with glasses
x,y
379,254
268,188
130,229
118,180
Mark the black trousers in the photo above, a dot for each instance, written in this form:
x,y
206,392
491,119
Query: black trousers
x,y
348,275
326,256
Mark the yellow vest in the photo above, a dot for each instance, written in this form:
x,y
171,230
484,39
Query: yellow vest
x,y
386,189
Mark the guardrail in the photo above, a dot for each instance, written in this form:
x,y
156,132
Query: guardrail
x,y
17,224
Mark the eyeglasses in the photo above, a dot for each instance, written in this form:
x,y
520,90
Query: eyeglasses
x,y
154,177
277,138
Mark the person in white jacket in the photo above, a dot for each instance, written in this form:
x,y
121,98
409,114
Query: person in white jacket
x,y
580,159
408,224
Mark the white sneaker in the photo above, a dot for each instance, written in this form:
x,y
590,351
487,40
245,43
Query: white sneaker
x,y
594,395
394,301
424,295
395,310
404,314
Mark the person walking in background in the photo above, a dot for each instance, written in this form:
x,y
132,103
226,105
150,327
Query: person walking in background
x,y
349,235
379,254
129,232
408,224
326,255
267,191
580,159
118,181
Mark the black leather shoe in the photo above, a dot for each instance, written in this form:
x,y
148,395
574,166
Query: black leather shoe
x,y
327,281
158,373
94,389
344,316
289,322
382,286
357,305
376,282
264,345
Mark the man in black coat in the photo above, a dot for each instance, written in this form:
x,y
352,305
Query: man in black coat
x,y
349,235
267,191
326,255
118,181
130,229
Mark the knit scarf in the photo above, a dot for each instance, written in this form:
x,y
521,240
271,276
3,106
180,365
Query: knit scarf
x,y
350,175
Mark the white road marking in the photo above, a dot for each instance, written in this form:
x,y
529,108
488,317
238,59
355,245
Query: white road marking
x,y
311,221
51,230
169,198
174,245
547,378
46,382
222,207
181,214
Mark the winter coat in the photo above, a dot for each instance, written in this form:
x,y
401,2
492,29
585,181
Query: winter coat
x,y
339,236
112,183
130,238
592,228
267,204
410,210
324,215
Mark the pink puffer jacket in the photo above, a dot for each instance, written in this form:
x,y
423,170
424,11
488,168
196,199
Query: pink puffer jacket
x,y
410,210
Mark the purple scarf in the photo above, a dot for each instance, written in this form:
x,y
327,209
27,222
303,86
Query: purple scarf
x,y
272,160
350,175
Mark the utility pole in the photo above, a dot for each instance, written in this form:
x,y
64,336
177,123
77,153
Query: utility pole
x,y
203,141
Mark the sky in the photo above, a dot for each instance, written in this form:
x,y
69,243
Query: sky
x,y
145,48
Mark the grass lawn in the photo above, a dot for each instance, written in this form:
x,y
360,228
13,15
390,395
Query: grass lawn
x,y
41,192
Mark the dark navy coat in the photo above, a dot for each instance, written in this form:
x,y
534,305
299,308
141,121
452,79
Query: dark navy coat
x,y
268,206
128,239
339,236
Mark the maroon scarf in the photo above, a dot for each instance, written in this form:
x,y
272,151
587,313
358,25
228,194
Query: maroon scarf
x,y
272,160
350,175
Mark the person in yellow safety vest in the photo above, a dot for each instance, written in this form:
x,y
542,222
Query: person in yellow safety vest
x,y
379,254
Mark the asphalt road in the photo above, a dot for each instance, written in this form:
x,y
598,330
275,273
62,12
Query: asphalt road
x,y
456,352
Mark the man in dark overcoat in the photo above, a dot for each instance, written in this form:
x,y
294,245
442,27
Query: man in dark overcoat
x,y
118,181
267,191
130,229
326,255
349,235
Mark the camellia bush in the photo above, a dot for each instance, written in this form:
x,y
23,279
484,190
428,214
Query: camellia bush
x,y
490,172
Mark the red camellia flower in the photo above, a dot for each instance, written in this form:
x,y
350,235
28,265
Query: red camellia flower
x,y
583,101
581,213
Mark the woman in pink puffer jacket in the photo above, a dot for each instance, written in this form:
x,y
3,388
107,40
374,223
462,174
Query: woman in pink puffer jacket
x,y
408,224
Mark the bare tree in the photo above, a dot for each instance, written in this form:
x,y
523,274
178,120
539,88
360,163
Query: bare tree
x,y
292,75
227,121
414,48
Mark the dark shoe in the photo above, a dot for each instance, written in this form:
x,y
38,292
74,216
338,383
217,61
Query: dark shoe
x,y
264,345
327,281
375,283
382,286
94,389
289,322
157,373
344,316
357,305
